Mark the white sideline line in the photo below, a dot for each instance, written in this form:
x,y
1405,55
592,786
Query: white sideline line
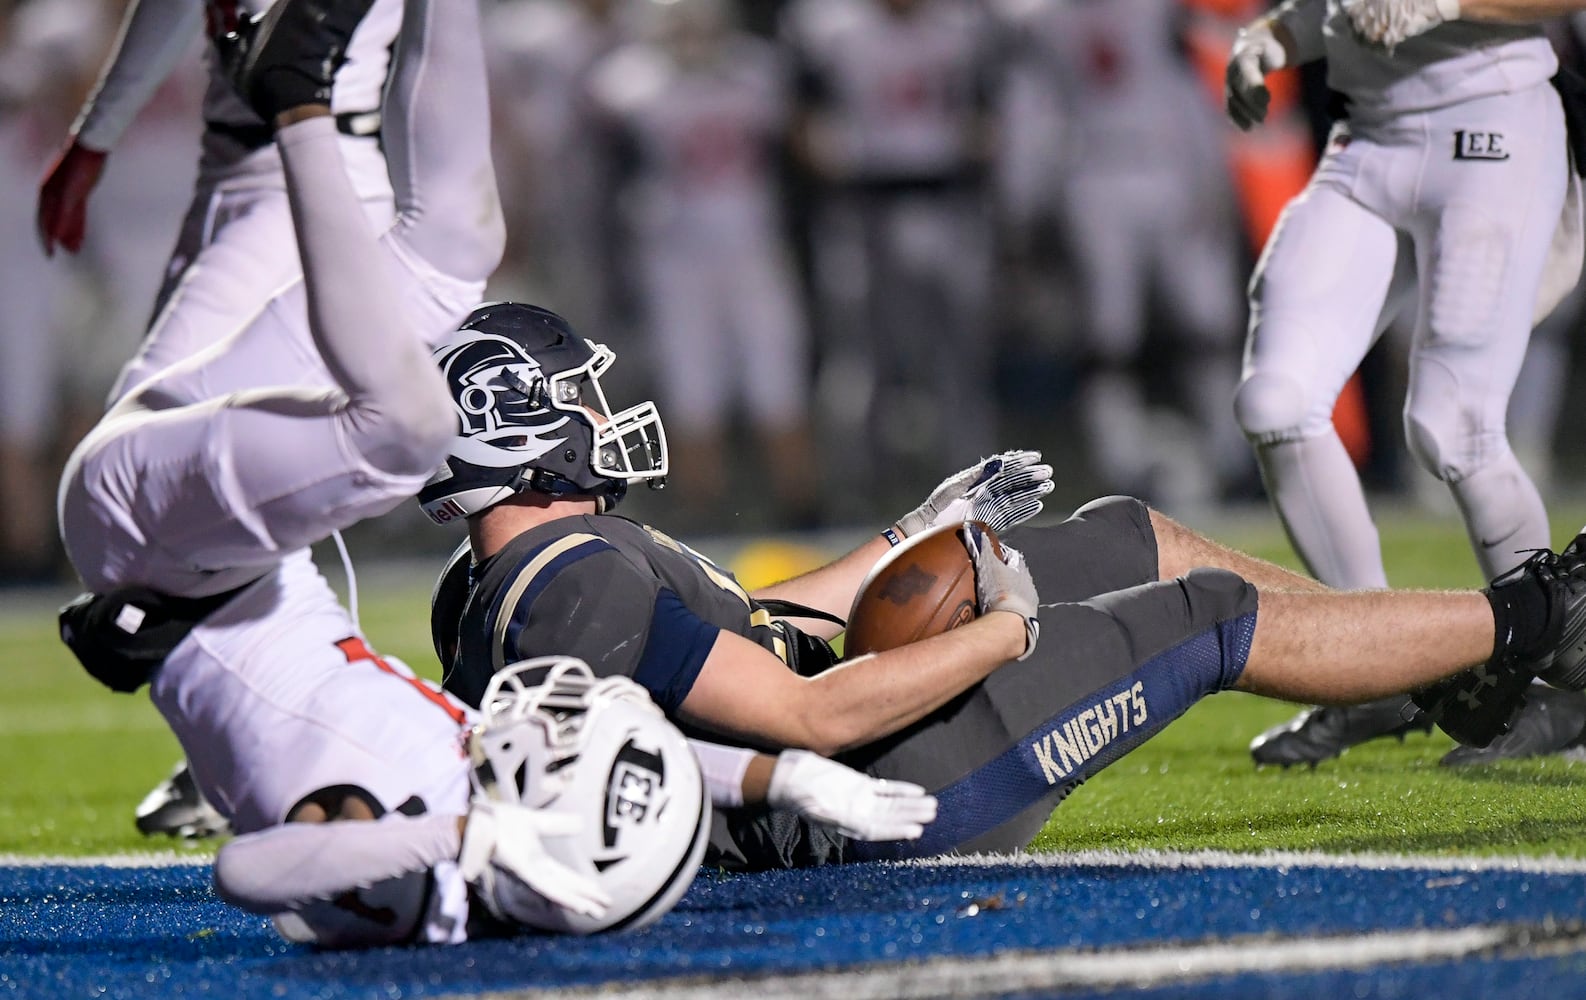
x,y
1169,860
147,859
1015,972
1162,860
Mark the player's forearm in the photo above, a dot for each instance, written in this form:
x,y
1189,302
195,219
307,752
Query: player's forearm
x,y
284,867
154,36
876,695
832,587
1297,25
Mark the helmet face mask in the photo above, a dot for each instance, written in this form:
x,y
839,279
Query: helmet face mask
x,y
554,737
532,415
629,444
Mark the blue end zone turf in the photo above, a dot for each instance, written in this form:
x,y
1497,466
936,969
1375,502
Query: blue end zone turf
x,y
69,931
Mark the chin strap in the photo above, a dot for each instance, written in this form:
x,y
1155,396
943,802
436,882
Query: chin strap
x,y
555,485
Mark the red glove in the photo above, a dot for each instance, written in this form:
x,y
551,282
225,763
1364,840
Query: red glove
x,y
63,197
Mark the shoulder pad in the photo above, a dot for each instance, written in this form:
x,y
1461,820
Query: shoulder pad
x,y
447,601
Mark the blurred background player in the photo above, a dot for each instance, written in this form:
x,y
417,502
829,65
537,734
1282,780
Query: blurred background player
x,y
67,330
894,123
700,108
42,62
1148,215
235,251
562,238
1447,183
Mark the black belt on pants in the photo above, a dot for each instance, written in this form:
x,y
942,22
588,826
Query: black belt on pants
x,y
364,124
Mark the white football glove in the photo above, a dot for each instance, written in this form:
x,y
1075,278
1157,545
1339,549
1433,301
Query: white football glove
x,y
1389,22
1003,490
858,805
1256,53
1004,584
505,838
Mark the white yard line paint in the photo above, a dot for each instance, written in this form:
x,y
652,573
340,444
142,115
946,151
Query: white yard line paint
x,y
148,859
1163,860
1015,972
1270,859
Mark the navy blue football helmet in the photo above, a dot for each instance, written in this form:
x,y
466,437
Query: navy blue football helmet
x,y
532,416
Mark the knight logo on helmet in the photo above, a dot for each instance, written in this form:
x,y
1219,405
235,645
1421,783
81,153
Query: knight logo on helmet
x,y
532,416
556,738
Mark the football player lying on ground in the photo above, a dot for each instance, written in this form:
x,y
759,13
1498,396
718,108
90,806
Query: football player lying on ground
x,y
189,509
1140,616
587,815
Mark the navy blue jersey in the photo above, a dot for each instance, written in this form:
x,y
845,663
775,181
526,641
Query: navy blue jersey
x,y
623,597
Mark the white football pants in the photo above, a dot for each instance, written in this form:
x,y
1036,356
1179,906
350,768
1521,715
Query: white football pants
x,y
1459,205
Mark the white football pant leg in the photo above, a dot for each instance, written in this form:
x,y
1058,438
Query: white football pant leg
x,y
1316,301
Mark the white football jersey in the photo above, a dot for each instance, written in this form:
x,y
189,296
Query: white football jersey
x,y
1453,63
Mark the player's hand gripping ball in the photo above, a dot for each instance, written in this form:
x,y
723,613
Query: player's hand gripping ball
x,y
924,587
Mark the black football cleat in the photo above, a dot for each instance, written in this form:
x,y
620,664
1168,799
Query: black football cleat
x,y
1551,721
1478,706
1319,734
1565,666
177,808
288,56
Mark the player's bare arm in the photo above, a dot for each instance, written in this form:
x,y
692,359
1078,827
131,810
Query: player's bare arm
x,y
746,693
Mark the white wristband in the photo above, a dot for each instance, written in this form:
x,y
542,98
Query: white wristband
x,y
723,769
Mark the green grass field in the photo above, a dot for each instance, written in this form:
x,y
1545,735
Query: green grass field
x,y
78,758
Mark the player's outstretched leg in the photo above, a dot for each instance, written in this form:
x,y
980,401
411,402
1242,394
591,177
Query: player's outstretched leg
x,y
1316,734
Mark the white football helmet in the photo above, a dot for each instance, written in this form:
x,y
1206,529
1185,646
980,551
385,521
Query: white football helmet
x,y
553,737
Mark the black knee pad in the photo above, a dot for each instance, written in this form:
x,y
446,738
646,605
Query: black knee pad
x,y
1126,513
1216,596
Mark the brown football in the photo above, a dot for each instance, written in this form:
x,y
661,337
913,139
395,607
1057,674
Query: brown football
x,y
922,588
